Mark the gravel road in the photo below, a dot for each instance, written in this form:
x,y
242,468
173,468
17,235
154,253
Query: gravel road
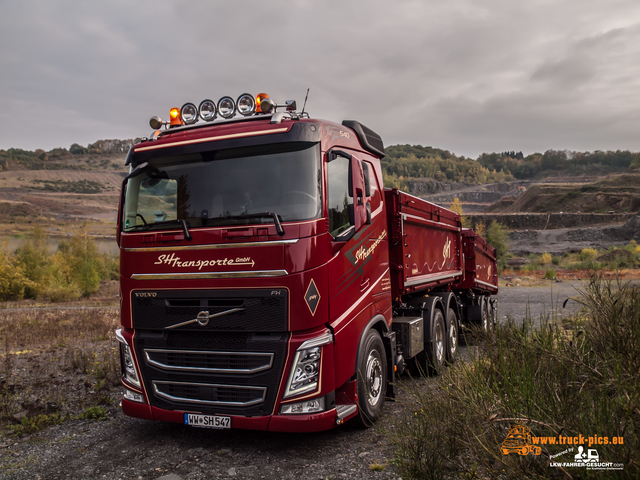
x,y
128,448
541,302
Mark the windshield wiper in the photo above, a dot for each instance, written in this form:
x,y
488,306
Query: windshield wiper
x,y
272,215
147,226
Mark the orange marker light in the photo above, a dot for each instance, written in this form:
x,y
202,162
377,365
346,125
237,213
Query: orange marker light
x,y
259,99
174,115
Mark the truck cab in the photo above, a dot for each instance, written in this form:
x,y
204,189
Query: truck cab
x,y
254,272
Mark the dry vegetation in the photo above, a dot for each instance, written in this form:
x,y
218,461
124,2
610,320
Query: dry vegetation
x,y
56,365
580,377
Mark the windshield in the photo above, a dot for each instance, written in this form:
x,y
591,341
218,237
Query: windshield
x,y
219,188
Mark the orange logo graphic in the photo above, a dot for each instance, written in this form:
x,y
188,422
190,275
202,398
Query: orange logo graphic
x,y
519,441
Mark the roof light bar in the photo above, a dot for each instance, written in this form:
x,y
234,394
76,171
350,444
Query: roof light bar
x,y
246,105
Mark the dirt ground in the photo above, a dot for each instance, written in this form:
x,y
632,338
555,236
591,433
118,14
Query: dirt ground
x,y
120,447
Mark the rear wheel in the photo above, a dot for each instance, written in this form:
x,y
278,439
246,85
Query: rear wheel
x,y
485,314
453,337
372,379
437,346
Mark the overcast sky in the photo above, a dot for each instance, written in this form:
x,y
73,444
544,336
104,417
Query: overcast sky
x,y
469,76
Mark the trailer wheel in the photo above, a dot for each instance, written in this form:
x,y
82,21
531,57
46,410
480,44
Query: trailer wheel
x,y
437,347
453,337
372,380
485,314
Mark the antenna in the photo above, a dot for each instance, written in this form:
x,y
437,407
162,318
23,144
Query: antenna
x,y
305,103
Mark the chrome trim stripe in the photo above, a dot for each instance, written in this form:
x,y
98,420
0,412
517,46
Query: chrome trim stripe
x,y
213,139
209,402
212,246
491,285
205,275
209,317
213,370
426,278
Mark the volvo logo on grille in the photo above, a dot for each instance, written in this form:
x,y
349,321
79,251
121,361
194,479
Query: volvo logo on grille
x,y
145,294
202,318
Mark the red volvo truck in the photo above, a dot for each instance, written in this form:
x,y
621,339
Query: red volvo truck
x,y
270,282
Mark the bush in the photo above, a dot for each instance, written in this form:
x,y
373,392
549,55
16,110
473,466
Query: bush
x,y
545,258
497,236
75,269
588,254
13,280
550,274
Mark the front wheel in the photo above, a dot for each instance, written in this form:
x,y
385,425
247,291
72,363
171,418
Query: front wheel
x,y
372,379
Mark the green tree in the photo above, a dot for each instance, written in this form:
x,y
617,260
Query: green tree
x,y
497,235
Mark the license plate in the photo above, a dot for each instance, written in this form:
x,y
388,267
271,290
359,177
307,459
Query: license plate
x,y
207,421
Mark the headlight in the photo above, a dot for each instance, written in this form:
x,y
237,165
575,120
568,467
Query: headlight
x,y
189,113
129,372
226,107
305,370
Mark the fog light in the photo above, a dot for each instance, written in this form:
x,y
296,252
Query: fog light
x,y
310,406
133,396
226,107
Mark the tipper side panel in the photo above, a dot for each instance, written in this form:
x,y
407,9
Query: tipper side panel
x,y
481,268
425,243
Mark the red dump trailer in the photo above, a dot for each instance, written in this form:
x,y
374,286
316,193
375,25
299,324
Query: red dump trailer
x,y
269,281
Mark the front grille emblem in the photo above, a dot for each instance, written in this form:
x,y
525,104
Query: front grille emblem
x,y
203,318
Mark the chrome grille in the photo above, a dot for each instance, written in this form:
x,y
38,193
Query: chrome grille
x,y
209,361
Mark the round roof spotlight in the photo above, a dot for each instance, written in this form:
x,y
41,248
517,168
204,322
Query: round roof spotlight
x,y
156,123
246,104
226,107
267,105
207,110
189,113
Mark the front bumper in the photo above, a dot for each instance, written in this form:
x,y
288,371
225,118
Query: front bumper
x,y
274,423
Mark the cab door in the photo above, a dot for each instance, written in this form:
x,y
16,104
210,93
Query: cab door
x,y
360,254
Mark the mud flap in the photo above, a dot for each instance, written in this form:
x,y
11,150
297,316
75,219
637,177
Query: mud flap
x,y
389,341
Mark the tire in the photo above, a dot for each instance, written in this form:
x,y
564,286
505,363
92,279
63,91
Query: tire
x,y
485,320
453,337
372,379
436,348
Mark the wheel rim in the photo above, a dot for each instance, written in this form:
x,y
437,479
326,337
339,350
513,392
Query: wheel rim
x,y
453,338
439,345
485,317
374,378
